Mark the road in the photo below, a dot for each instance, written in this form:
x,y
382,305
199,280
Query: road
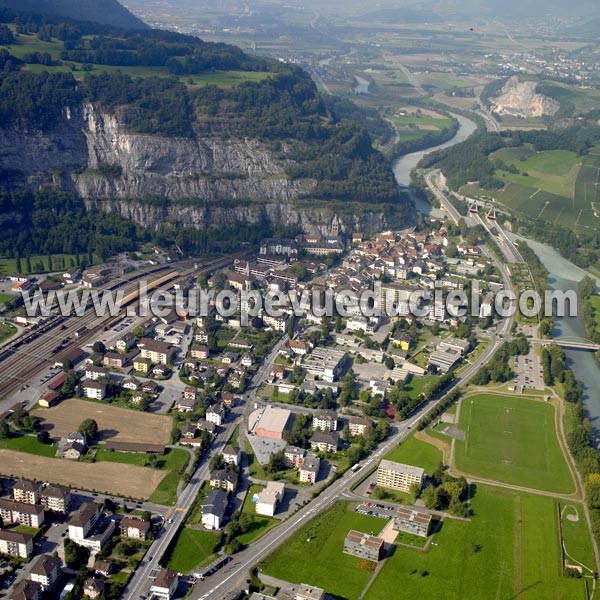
x,y
140,583
430,180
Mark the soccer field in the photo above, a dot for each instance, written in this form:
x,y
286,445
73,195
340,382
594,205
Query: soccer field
x,y
512,439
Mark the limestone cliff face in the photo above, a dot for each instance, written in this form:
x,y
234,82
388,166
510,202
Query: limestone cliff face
x,y
180,168
201,181
519,98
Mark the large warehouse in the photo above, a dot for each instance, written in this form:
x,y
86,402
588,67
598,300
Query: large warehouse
x,y
270,422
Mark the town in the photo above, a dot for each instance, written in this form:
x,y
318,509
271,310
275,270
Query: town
x,y
257,421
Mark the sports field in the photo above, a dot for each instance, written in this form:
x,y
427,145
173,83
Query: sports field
x,y
117,424
512,439
314,554
510,549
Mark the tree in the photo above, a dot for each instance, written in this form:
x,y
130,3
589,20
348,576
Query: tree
x,y
4,430
146,515
43,437
89,428
99,347
389,363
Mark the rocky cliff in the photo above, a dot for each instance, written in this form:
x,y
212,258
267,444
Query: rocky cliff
x,y
201,181
520,99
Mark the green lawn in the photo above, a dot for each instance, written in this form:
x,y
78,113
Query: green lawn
x,y
4,298
192,548
7,330
510,549
261,524
172,459
417,453
314,554
419,384
513,440
29,444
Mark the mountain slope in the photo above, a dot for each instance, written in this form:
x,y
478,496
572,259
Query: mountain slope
x,y
106,12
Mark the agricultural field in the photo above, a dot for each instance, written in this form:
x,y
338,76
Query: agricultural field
x,y
30,44
509,549
315,554
417,453
172,462
193,547
500,434
112,478
114,423
556,186
414,124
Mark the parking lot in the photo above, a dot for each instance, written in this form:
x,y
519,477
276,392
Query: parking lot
x,y
528,372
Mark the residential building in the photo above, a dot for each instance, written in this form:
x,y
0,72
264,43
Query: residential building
x,y
158,352
126,342
92,588
94,390
398,476
27,491
27,590
56,498
358,425
83,521
216,414
115,360
14,543
165,584
364,546
94,373
270,498
294,457
232,455
185,405
326,420
141,365
309,471
224,479
297,347
325,441
134,528
45,570
30,515
277,323
411,521
103,567
213,509
278,246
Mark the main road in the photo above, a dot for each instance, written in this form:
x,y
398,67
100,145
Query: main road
x,y
141,581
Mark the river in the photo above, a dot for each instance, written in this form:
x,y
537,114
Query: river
x,y
564,275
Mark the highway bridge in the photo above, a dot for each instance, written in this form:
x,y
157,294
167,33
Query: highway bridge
x,y
573,343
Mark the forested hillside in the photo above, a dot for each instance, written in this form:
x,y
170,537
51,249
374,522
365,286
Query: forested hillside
x,y
125,118
107,12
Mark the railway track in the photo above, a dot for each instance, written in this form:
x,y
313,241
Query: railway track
x,y
26,356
